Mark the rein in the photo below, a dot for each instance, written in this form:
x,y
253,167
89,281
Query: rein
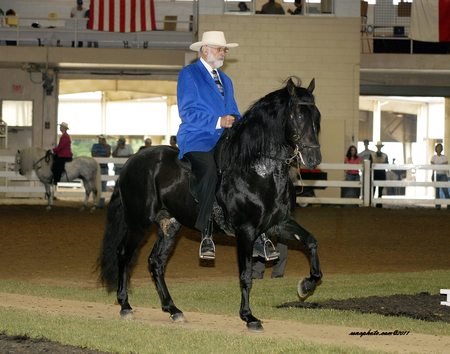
x,y
46,157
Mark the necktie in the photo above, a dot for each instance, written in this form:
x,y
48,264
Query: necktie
x,y
217,81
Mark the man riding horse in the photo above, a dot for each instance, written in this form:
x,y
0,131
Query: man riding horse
x,y
206,107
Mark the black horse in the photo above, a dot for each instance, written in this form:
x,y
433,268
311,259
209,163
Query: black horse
x,y
255,194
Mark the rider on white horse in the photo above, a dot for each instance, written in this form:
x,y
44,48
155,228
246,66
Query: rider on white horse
x,y
63,153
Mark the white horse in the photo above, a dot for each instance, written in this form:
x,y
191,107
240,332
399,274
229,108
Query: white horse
x,y
85,168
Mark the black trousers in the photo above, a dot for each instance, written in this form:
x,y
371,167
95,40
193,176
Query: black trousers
x,y
58,168
205,169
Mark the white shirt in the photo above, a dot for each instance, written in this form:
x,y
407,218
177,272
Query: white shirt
x,y
210,69
77,13
440,160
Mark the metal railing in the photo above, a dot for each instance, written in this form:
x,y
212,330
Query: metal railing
x,y
71,31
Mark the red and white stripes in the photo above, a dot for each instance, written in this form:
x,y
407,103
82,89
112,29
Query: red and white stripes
x,y
122,15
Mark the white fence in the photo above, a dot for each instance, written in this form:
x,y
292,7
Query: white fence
x,y
367,183
13,185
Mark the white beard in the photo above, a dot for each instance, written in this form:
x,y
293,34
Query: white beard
x,y
217,63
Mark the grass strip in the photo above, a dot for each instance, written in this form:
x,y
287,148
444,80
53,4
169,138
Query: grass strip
x,y
133,337
266,294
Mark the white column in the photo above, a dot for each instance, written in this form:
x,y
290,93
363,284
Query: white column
x,y
103,110
376,134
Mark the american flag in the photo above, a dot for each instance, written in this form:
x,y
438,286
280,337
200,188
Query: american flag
x,y
122,15
430,21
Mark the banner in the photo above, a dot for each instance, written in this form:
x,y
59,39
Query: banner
x,y
430,21
122,15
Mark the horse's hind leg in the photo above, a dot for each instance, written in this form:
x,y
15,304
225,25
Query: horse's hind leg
x,y
168,228
126,254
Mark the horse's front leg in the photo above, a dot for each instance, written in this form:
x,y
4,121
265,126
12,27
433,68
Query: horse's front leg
x,y
245,252
48,195
291,230
168,228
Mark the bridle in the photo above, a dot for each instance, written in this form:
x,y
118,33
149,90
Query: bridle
x,y
299,146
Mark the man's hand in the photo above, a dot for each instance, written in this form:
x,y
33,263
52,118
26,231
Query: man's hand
x,y
227,121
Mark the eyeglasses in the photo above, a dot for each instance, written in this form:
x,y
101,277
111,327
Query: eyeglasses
x,y
220,49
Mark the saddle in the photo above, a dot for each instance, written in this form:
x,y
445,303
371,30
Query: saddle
x,y
217,210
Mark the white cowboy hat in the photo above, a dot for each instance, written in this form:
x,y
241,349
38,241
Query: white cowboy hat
x,y
379,143
212,38
65,125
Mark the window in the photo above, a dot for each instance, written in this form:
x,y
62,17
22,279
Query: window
x,y
17,113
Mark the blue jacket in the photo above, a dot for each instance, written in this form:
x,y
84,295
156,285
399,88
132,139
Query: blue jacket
x,y
200,104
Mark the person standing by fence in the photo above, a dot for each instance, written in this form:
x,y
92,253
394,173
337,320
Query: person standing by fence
x,y
352,175
441,176
102,149
379,175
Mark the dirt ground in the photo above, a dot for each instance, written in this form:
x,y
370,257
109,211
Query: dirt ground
x,y
60,248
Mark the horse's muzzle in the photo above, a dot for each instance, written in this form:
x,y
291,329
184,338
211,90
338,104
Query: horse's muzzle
x,y
311,158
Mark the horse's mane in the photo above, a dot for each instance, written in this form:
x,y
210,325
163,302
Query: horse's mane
x,y
28,157
261,130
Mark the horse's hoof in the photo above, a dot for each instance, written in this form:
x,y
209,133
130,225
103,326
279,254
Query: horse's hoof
x,y
255,326
178,318
48,208
303,290
127,315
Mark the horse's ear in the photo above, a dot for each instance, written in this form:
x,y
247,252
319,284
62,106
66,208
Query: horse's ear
x,y
18,151
312,85
291,87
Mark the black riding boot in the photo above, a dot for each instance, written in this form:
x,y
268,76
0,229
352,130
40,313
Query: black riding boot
x,y
207,248
263,247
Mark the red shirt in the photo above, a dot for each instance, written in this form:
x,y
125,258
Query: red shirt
x,y
63,148
353,161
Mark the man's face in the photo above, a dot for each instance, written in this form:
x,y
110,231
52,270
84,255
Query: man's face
x,y
214,55
101,141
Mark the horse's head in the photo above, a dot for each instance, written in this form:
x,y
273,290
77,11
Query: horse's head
x,y
18,163
304,126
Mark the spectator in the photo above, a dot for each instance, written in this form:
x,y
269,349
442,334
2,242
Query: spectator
x,y
298,8
121,150
365,154
243,7
352,158
379,175
147,142
351,175
272,8
78,12
173,141
441,176
11,22
102,149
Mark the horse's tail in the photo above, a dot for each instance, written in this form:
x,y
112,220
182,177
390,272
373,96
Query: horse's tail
x,y
114,233
98,182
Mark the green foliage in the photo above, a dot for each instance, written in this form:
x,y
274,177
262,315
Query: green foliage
x,y
82,147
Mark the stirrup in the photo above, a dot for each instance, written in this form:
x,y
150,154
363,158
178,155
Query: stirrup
x,y
209,254
265,249
269,246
